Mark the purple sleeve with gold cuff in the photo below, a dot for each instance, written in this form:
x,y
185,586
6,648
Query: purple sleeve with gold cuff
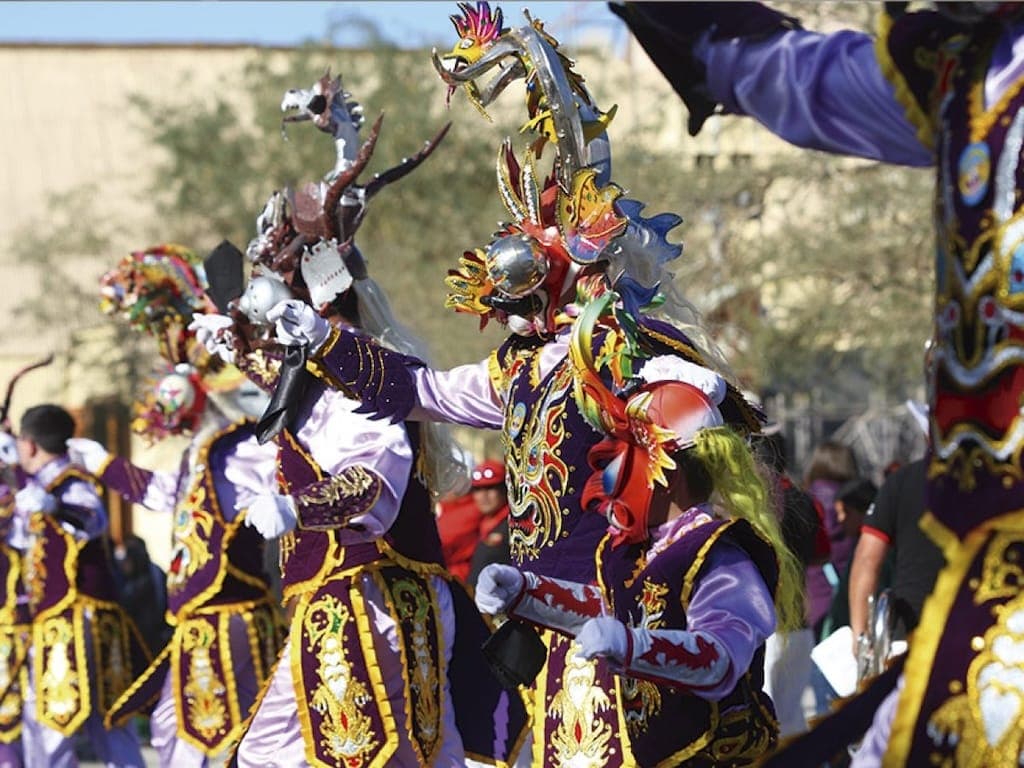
x,y
333,501
126,479
379,378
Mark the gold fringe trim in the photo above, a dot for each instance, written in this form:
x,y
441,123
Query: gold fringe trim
x,y
915,115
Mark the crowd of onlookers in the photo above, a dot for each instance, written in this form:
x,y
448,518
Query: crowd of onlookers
x,y
855,539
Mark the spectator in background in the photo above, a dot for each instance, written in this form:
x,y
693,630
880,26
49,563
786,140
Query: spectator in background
x,y
491,498
892,523
853,500
458,525
831,465
787,658
143,591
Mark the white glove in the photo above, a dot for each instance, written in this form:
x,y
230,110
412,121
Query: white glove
x,y
297,323
214,332
497,587
8,449
88,454
271,514
603,636
34,498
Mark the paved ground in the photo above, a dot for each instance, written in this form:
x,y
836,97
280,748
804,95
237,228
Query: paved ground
x,y
148,754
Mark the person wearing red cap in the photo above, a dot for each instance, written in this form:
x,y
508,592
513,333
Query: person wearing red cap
x,y
458,526
491,498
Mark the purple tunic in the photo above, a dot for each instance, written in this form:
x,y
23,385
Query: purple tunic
x,y
226,629
697,597
82,641
373,659
959,91
525,389
15,628
702,587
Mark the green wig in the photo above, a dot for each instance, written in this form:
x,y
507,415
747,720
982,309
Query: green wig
x,y
740,490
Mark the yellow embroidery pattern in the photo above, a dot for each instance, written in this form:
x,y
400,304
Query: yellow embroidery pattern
x,y
346,734
264,368
192,528
354,481
581,738
542,477
203,689
285,548
115,674
58,696
641,702
413,608
13,649
984,721
641,698
652,604
1002,570
35,563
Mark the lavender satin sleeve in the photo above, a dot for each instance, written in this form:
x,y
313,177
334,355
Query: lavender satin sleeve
x,y
732,604
242,473
875,741
816,91
338,438
462,395
153,489
79,502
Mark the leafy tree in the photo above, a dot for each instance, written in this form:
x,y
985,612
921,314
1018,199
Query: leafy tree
x,y
75,241
219,166
814,269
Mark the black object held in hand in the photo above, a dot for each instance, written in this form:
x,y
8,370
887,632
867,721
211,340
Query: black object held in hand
x,y
515,653
291,386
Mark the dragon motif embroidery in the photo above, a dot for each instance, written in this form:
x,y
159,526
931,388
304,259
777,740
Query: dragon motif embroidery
x,y
115,674
980,721
641,698
535,512
204,690
34,575
58,693
413,608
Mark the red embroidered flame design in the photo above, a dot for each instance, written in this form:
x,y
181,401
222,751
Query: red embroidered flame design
x,y
664,653
552,594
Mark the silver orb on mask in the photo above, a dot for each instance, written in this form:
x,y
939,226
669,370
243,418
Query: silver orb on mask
x,y
516,265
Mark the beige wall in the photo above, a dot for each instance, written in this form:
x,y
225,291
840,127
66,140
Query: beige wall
x,y
66,125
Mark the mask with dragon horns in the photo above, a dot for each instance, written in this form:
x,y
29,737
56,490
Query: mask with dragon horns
x,y
530,267
576,221
304,246
560,109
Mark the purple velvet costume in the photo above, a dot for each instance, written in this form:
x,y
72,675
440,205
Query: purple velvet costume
x,y
525,390
226,628
85,650
370,671
702,587
934,91
15,630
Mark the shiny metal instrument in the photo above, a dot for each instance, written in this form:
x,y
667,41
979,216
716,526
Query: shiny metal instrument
x,y
875,645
